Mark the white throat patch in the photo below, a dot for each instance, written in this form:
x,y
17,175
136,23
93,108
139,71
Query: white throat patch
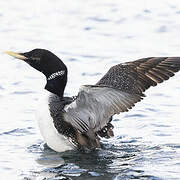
x,y
56,74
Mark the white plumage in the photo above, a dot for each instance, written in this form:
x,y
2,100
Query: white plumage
x,y
54,140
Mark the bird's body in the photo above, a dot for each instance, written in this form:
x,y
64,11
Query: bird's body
x,y
81,121
50,134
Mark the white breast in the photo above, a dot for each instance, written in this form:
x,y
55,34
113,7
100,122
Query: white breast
x,y
54,140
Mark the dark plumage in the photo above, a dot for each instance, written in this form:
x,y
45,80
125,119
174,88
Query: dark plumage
x,y
137,76
87,117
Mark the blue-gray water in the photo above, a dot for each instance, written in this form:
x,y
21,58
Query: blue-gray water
x,y
90,36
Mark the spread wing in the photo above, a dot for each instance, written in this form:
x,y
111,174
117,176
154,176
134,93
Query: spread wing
x,y
118,90
137,76
95,105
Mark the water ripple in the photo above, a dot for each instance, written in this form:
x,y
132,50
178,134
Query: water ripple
x,y
18,132
90,36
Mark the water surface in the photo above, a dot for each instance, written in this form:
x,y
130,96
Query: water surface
x,y
89,36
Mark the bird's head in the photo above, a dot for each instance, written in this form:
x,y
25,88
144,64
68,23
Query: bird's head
x,y
47,63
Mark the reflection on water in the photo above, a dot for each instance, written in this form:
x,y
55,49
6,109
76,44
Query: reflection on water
x,y
89,36
118,161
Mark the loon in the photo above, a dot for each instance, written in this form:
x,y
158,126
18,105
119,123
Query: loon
x,y
80,121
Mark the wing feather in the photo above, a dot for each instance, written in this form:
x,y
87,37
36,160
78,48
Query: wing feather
x,y
95,105
117,91
137,76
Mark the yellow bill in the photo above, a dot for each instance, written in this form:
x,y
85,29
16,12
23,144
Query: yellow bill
x,y
16,55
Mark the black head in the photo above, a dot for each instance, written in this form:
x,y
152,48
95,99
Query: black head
x,y
49,64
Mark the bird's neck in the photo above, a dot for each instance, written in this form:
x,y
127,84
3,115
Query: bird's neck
x,y
57,85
